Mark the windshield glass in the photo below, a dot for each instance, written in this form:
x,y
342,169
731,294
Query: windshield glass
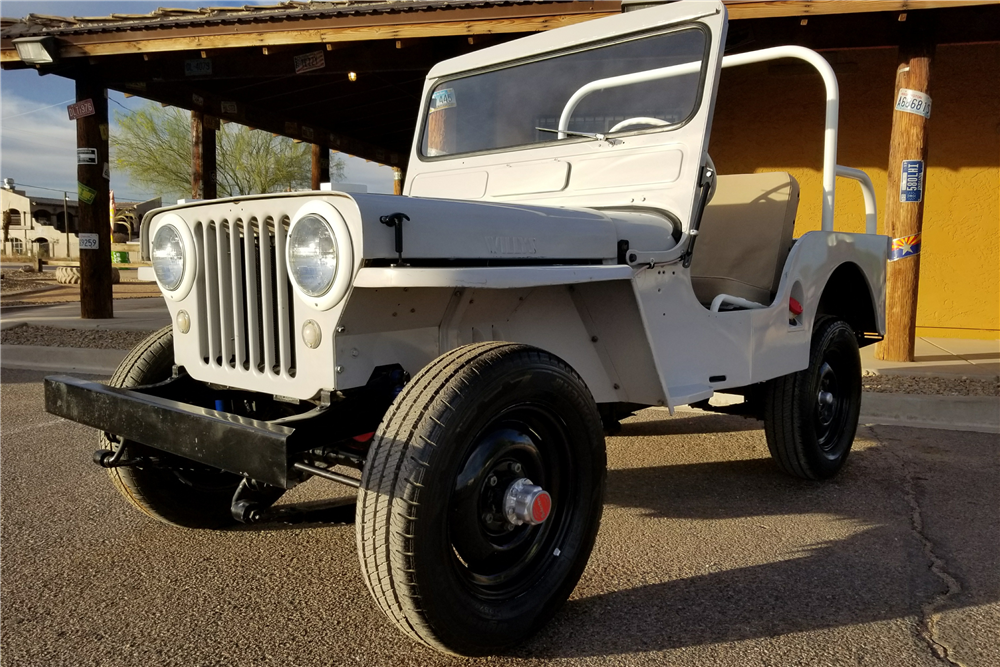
x,y
504,108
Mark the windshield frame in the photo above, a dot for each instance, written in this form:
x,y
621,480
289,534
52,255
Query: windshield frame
x,y
589,46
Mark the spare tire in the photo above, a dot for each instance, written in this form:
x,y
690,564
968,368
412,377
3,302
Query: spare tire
x,y
70,275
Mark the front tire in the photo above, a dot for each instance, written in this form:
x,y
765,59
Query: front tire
x,y
438,557
811,417
175,491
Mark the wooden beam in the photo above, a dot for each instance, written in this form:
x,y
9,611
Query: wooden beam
x,y
105,44
759,9
93,214
904,210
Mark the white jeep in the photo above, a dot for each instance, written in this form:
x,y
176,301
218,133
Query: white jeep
x,y
467,346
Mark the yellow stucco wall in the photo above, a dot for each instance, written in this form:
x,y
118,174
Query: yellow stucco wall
x,y
770,117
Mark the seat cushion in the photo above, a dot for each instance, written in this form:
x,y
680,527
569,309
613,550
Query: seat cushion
x,y
745,236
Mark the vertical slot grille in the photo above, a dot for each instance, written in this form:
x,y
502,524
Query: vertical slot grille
x,y
247,296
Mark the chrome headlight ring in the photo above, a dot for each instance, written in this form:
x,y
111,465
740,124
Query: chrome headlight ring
x,y
341,280
180,290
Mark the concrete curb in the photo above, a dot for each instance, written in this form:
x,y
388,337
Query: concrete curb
x,y
10,296
61,359
956,413
980,414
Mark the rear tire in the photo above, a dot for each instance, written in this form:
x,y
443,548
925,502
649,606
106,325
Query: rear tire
x,y
440,562
811,417
178,491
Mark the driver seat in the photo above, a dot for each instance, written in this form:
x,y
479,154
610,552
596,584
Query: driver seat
x,y
745,236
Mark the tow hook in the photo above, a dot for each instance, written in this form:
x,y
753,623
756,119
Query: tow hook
x,y
107,458
251,503
525,502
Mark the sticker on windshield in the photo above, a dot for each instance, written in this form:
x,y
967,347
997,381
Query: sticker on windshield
x,y
443,99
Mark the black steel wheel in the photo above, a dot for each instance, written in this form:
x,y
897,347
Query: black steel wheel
x,y
811,417
168,488
481,497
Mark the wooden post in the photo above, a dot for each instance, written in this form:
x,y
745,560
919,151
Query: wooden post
x,y
209,169
398,176
66,221
197,124
904,210
96,297
203,158
320,165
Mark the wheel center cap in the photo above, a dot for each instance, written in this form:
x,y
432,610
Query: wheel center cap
x,y
525,502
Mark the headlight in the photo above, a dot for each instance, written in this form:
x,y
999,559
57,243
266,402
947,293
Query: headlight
x,y
168,257
312,255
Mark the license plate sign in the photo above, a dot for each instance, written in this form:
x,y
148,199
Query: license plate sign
x,y
915,102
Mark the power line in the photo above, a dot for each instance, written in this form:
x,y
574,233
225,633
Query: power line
x,y
25,113
68,190
39,187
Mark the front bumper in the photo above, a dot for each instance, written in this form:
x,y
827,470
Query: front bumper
x,y
256,449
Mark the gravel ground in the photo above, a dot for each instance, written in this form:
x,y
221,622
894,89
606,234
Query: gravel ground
x,y
907,384
17,280
101,339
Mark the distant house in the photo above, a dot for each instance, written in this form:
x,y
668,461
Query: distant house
x,y
38,225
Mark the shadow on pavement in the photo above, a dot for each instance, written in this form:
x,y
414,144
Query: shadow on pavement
x,y
880,572
697,424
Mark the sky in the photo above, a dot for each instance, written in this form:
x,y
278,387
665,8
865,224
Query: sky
x,y
37,139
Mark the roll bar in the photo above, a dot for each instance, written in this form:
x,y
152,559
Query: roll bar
x,y
830,167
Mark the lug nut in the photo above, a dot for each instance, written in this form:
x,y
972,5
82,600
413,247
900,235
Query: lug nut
x,y
493,480
488,518
517,468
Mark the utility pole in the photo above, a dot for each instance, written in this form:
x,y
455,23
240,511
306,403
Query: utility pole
x,y
904,211
66,221
92,173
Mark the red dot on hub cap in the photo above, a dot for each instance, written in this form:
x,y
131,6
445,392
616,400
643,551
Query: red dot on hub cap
x,y
541,507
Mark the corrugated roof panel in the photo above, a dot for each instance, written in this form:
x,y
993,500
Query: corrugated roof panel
x,y
181,17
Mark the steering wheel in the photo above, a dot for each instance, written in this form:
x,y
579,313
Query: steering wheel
x,y
638,120
715,176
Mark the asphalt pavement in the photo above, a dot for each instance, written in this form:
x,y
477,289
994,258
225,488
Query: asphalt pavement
x,y
707,555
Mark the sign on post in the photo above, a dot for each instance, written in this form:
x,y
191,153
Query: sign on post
x,y
81,109
911,182
913,101
89,241
86,156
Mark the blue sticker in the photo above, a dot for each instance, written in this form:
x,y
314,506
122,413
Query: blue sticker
x,y
911,183
442,99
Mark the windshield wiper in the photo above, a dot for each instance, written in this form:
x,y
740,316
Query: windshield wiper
x,y
591,135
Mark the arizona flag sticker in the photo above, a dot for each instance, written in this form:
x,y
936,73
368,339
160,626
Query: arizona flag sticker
x,y
904,246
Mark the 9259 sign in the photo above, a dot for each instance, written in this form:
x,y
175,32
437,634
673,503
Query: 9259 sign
x,y
913,101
